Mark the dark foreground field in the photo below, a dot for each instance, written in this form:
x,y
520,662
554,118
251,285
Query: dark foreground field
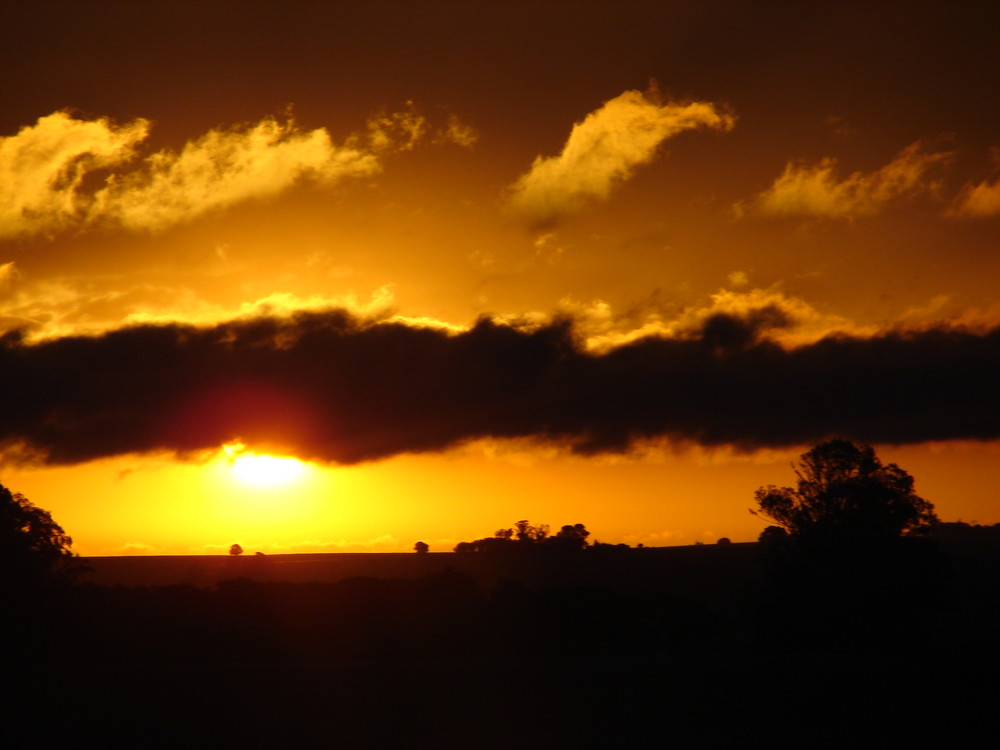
x,y
705,646
677,567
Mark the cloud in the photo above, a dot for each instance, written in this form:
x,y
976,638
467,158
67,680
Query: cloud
x,y
57,308
738,278
383,542
979,200
42,169
603,151
64,173
815,190
8,272
458,133
223,168
788,321
401,131
335,387
397,131
136,548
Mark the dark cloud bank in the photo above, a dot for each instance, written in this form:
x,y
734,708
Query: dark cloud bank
x,y
332,387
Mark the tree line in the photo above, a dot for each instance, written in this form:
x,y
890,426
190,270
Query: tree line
x,y
844,493
848,561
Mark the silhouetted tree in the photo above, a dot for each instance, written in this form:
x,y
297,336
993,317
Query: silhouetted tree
x,y
525,532
773,535
572,537
847,560
33,547
35,563
525,536
724,540
236,550
487,544
421,548
844,491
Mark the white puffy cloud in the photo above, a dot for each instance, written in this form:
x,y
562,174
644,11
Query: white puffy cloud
x,y
604,150
815,190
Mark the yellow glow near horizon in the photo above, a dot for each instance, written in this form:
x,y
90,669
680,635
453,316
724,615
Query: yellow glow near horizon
x,y
255,494
157,505
261,470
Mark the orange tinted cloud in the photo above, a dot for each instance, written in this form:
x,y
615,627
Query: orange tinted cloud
x,y
223,168
979,200
43,166
8,271
42,169
457,132
776,316
815,189
55,308
604,150
396,131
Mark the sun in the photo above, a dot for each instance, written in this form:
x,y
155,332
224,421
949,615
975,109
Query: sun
x,y
263,470
267,471
255,492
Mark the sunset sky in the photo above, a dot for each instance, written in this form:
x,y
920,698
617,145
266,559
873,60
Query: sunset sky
x,y
609,263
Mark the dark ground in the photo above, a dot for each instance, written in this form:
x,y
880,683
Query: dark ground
x,y
681,647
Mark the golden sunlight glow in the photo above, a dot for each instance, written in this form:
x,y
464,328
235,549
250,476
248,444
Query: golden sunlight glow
x,y
261,470
251,492
267,471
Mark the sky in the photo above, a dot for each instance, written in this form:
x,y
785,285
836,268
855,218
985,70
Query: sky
x,y
319,277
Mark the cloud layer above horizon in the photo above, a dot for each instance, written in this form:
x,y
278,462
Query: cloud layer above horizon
x,y
333,387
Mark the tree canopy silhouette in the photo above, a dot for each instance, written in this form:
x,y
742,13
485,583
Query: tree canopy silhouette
x,y
571,536
844,491
33,547
524,536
